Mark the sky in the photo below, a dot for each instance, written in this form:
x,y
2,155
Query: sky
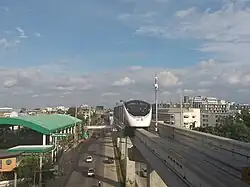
x,y
95,52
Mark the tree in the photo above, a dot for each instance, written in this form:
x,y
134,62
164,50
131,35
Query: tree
x,y
23,110
28,167
237,131
235,127
72,111
244,116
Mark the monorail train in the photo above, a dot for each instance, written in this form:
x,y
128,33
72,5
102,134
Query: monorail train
x,y
133,113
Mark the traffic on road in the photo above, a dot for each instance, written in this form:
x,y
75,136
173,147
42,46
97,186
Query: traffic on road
x,y
96,166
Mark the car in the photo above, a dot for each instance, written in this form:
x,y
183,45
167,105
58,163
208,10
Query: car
x,y
109,161
89,159
91,172
108,134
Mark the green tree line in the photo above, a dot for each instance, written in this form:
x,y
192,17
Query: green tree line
x,y
235,127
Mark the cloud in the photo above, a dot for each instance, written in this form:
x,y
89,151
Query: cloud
x,y
135,68
6,9
7,44
123,82
21,33
223,32
37,86
110,94
221,35
185,13
37,34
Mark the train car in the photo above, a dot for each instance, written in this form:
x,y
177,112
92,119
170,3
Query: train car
x,y
133,113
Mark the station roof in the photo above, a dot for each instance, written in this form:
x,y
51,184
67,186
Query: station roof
x,y
5,154
45,124
31,149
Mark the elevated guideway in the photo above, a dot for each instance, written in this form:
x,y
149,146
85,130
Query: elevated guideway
x,y
183,157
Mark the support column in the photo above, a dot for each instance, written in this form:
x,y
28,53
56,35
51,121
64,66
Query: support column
x,y
41,163
118,142
153,178
56,149
130,165
123,147
51,142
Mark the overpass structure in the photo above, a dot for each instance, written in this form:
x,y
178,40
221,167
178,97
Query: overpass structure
x,y
184,158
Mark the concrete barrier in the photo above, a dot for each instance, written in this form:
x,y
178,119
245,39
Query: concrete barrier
x,y
204,139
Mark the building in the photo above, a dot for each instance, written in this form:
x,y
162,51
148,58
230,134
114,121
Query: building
x,y
6,111
187,117
99,108
212,109
85,112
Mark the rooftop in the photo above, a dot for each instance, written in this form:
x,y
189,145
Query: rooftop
x,y
31,149
5,154
45,124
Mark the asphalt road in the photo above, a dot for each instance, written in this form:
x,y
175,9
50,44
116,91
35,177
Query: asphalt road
x,y
98,150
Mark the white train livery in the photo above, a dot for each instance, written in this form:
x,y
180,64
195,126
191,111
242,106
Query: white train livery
x,y
133,113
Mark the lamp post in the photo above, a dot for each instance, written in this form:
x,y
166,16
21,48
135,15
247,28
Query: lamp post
x,y
156,86
181,120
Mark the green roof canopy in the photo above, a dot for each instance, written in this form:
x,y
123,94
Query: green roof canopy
x,y
31,149
45,124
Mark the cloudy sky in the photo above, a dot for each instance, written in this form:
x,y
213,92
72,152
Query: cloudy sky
x,y
58,52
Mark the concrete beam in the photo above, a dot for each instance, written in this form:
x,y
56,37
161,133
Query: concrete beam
x,y
130,173
153,179
135,155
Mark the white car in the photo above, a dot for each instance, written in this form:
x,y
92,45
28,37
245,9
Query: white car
x,y
89,159
91,172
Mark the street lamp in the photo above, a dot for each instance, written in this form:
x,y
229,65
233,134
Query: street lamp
x,y
156,86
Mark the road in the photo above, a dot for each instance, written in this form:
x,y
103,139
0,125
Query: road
x,y
100,150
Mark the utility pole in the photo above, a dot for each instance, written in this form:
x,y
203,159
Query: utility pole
x,y
156,103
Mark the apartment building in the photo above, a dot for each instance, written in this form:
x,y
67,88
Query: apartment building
x,y
186,117
212,109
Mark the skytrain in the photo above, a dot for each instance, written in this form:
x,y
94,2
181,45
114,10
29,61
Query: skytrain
x,y
134,114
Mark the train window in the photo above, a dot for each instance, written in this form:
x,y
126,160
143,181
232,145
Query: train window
x,y
138,108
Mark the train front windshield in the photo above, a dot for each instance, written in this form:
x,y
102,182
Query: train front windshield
x,y
138,108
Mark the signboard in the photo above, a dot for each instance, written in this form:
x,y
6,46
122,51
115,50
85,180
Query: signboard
x,y
7,164
59,135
